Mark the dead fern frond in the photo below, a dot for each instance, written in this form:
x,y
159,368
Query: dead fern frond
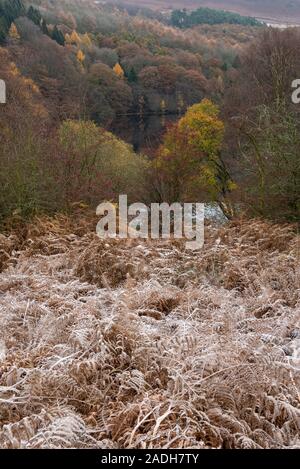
x,y
148,345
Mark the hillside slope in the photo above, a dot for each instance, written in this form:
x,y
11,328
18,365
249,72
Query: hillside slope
x,y
281,10
106,347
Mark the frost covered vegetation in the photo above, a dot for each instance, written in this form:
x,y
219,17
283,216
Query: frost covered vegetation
x,y
153,346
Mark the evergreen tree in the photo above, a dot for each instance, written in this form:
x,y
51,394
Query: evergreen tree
x,y
4,28
9,11
183,19
179,18
132,76
58,36
34,15
13,9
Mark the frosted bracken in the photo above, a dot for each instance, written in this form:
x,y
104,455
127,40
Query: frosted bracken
x,y
122,344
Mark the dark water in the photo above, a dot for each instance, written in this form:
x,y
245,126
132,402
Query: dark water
x,y
144,134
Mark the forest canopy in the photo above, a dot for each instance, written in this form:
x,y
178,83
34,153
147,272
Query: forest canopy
x,y
86,69
187,19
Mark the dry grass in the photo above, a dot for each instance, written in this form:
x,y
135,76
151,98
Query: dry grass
x,y
136,344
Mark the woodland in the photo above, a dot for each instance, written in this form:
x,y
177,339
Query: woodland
x,y
139,343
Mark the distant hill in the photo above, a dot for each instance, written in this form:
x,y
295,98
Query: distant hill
x,y
279,10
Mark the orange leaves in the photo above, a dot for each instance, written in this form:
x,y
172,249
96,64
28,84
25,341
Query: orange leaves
x,y
73,38
13,32
23,96
80,56
118,70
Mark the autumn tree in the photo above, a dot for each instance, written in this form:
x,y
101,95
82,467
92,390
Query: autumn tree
x,y
118,70
13,33
97,165
86,40
80,57
54,70
164,81
161,78
270,165
189,160
22,150
115,92
73,38
263,126
105,55
34,15
268,65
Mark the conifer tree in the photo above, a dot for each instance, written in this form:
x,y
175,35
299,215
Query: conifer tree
x,y
34,15
132,76
58,36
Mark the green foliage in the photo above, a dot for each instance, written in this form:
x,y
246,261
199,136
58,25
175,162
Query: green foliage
x,y
9,11
80,163
183,19
58,36
34,15
99,164
25,180
132,76
4,28
13,9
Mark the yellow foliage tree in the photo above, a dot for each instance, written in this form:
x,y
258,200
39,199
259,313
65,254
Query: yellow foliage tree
x,y
13,32
74,38
101,164
80,56
85,39
189,160
119,70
